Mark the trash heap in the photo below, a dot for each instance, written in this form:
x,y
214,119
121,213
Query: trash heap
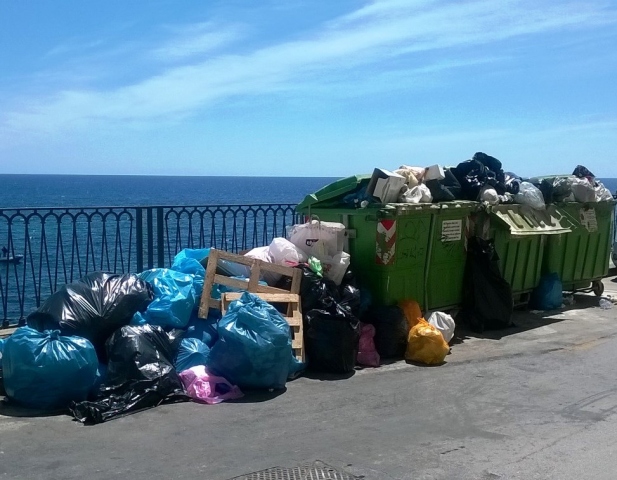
x,y
480,179
110,345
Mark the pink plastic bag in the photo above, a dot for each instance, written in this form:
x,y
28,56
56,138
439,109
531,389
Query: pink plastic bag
x,y
206,388
367,353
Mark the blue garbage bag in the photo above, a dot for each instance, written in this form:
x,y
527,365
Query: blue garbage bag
x,y
192,352
254,346
204,329
174,299
189,261
548,295
2,340
46,370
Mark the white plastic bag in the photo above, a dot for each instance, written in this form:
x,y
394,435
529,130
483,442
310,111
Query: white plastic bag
x,y
489,195
285,253
530,195
263,253
417,194
583,190
444,323
335,267
603,194
318,239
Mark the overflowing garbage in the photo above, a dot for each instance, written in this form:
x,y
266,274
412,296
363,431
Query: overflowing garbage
x,y
391,283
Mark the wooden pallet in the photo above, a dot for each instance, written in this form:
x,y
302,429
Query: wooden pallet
x,y
266,292
293,315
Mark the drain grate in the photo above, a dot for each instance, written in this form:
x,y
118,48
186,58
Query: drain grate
x,y
314,471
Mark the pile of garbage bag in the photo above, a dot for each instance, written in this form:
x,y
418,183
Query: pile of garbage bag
x,y
482,179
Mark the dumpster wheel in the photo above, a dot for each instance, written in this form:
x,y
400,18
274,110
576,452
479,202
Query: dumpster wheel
x,y
597,287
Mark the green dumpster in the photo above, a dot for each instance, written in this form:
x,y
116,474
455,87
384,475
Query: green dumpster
x,y
399,251
581,257
520,234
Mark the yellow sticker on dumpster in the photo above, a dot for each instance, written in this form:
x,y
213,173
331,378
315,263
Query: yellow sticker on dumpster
x,y
589,220
451,230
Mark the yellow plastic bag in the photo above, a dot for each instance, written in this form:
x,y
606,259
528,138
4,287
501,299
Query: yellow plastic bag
x,y
412,311
425,344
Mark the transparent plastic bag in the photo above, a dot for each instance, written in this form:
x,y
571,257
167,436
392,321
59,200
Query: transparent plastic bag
x,y
530,195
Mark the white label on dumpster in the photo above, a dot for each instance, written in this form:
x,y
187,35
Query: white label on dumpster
x,y
451,230
588,219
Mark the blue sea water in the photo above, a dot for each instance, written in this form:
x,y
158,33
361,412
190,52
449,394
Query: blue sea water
x,y
128,190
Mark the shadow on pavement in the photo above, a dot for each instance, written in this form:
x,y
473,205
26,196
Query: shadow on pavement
x,y
258,396
10,409
524,320
328,377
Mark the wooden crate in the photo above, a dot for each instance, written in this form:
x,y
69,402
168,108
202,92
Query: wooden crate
x,y
270,294
293,315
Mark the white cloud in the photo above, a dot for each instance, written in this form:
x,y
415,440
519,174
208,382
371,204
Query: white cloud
x,y
381,29
197,39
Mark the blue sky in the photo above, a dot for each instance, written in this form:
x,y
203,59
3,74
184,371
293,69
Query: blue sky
x,y
318,88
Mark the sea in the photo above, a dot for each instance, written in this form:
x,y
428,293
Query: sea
x,y
18,191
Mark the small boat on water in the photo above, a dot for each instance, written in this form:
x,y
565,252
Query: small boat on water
x,y
13,259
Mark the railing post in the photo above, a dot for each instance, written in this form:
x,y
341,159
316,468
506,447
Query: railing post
x,y
150,233
160,244
139,234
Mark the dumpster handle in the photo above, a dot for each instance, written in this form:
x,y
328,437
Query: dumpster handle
x,y
427,264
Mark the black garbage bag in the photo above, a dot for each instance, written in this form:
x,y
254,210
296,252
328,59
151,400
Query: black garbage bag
x,y
487,301
315,290
391,330
140,375
447,189
583,172
512,182
331,339
93,307
482,170
351,299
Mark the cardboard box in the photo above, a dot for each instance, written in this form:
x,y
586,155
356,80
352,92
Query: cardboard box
x,y
385,185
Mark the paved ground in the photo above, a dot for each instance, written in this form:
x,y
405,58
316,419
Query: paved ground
x,y
536,401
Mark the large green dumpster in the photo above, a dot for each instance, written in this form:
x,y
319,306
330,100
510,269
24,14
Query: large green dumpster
x,y
399,251
520,234
581,257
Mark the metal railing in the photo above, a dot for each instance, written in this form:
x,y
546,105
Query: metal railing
x,y
49,247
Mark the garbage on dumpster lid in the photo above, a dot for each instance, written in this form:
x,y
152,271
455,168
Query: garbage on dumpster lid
x,y
205,388
93,307
47,370
140,375
426,344
385,185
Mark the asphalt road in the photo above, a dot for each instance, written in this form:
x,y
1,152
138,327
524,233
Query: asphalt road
x,y
533,402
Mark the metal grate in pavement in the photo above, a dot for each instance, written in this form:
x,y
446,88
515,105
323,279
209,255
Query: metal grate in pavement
x,y
314,471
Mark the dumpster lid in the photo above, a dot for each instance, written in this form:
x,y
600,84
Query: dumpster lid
x,y
333,191
524,220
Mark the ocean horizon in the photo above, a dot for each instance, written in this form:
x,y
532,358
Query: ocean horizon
x,y
62,190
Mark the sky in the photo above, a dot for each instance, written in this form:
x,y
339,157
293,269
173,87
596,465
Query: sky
x,y
306,87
